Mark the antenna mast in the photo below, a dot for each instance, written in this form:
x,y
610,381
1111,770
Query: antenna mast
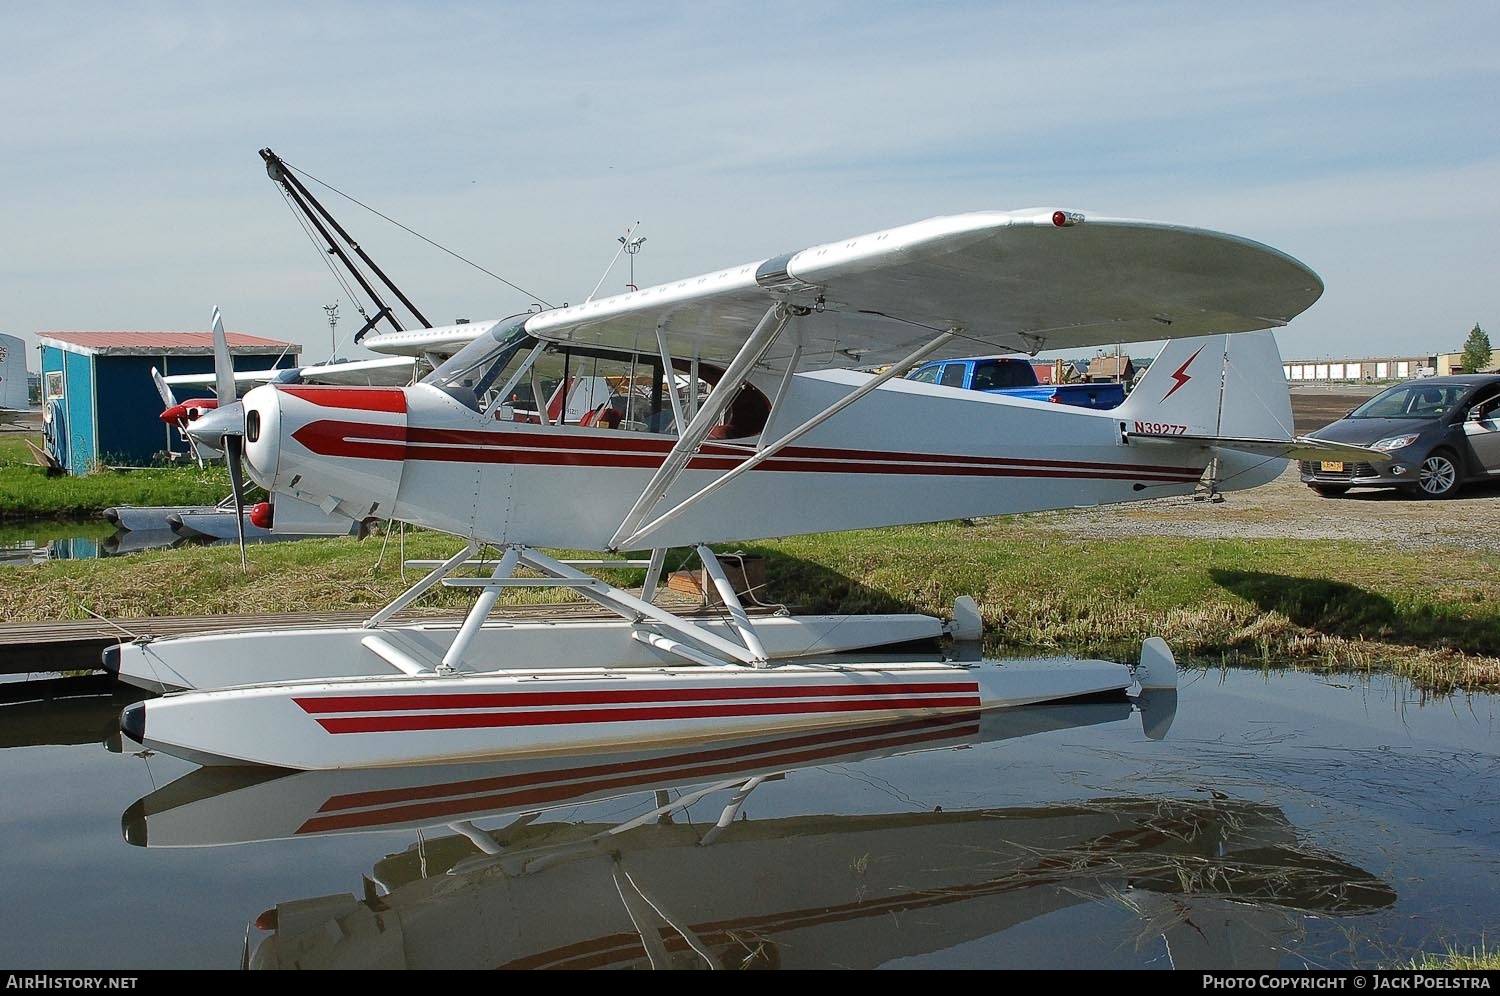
x,y
333,323
631,247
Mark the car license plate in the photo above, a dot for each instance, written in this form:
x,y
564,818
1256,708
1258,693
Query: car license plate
x,y
1336,466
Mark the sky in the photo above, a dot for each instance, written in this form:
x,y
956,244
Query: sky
x,y
1361,138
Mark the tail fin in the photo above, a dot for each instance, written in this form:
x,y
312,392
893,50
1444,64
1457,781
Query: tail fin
x,y
1218,390
1218,385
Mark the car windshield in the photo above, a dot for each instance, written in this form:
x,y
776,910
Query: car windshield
x,y
1412,401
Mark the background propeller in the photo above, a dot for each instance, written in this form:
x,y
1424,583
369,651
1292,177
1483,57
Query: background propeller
x,y
224,427
180,413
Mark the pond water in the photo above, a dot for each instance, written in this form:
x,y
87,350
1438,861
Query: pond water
x,y
20,547
22,552
1284,821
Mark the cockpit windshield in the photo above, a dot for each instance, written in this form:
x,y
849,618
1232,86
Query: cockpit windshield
x,y
472,372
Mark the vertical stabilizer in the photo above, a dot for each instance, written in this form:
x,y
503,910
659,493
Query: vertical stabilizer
x,y
1219,385
1222,387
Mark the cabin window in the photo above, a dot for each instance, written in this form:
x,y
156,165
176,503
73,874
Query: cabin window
x,y
592,388
587,386
953,375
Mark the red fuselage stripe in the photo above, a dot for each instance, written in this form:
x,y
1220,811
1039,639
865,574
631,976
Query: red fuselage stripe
x,y
365,399
639,444
394,442
409,722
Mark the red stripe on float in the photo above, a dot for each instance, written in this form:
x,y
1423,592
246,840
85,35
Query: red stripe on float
x,y
817,743
412,722
540,788
608,696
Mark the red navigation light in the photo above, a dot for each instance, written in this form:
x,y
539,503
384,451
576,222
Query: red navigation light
x,y
268,920
1059,218
260,515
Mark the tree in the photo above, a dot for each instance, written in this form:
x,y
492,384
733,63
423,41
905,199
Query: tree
x,y
1477,352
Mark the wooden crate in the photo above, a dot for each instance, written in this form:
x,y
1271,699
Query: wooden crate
x,y
748,581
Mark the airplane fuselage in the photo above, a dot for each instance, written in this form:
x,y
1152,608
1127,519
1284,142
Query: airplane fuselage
x,y
906,453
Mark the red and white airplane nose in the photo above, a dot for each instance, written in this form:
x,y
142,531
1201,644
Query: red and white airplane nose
x,y
339,448
262,432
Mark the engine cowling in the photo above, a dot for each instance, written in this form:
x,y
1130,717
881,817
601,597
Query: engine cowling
x,y
340,448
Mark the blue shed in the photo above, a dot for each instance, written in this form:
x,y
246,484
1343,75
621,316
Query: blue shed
x,y
99,405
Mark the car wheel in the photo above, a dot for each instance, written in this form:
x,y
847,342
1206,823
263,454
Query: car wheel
x,y
1330,490
1438,476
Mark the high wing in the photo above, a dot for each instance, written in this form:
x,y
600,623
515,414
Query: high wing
x,y
1022,281
381,371
437,343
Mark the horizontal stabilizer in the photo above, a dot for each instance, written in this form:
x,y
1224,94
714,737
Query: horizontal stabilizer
x,y
1300,448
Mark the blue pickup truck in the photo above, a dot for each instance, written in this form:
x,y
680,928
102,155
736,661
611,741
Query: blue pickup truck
x,y
1017,378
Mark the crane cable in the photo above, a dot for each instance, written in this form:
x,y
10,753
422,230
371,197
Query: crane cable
x,y
419,235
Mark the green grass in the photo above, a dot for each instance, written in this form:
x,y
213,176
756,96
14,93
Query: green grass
x,y
13,448
1433,617
337,573
27,492
1476,959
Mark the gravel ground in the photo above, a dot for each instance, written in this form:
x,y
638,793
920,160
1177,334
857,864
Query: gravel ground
x,y
1288,509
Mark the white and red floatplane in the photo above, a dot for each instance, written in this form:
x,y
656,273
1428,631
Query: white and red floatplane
x,y
721,408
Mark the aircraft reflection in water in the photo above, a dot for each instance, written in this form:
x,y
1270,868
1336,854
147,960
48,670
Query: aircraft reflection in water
x,y
1224,882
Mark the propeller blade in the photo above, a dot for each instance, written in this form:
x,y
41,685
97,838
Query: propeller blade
x,y
163,388
233,448
223,363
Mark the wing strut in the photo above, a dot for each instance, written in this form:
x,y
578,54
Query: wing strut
x,y
626,542
760,340
666,358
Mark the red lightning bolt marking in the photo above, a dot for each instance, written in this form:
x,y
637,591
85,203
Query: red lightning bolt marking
x,y
1181,376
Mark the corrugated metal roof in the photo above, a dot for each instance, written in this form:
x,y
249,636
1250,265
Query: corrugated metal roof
x,y
162,343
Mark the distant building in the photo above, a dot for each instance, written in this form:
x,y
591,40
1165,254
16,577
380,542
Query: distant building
x,y
99,404
1111,368
1056,371
1359,370
1452,363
